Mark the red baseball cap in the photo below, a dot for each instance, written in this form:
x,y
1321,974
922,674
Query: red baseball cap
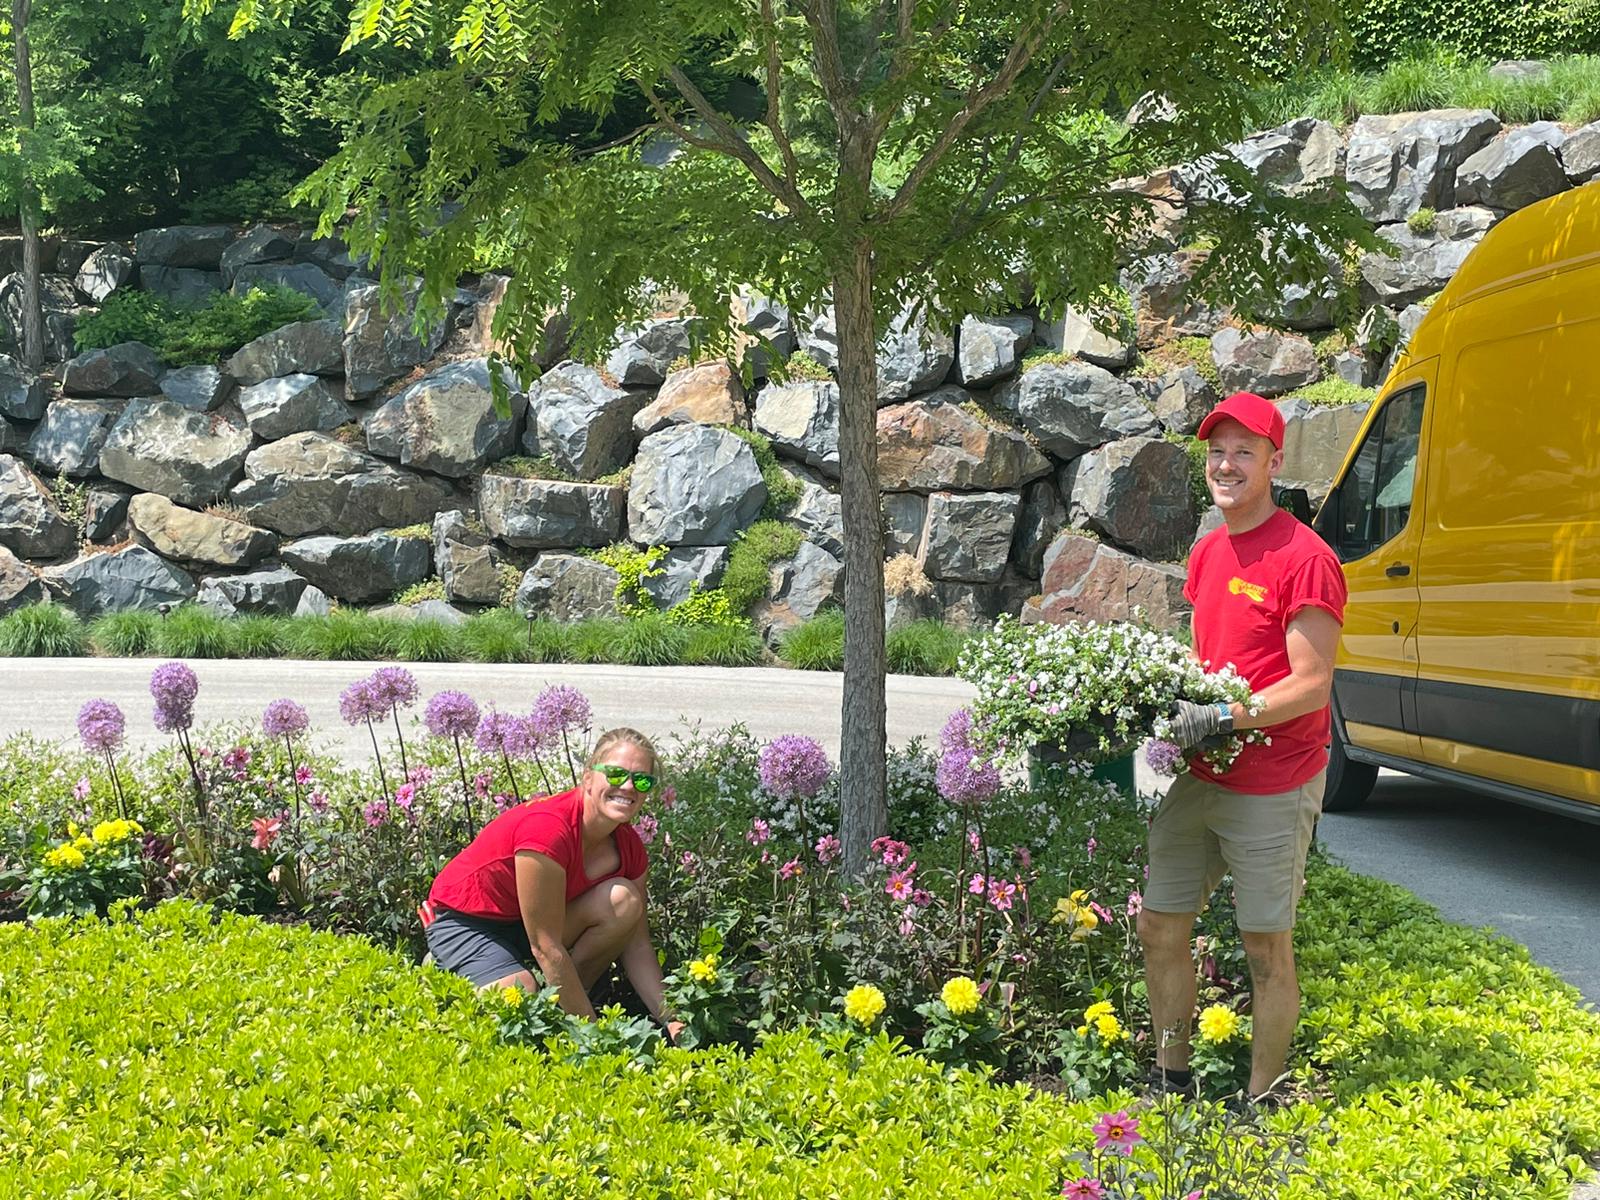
x,y
1255,413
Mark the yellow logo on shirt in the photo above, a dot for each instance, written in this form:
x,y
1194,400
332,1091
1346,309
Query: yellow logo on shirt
x,y
1238,587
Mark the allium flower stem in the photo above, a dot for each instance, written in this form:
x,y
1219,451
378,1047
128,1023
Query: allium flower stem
x,y
516,792
961,892
202,808
116,784
405,769
382,778
466,789
294,773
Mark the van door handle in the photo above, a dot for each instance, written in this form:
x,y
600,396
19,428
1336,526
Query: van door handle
x,y
1396,570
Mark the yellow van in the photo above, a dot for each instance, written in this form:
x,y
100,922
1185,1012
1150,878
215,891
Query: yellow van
x,y
1467,516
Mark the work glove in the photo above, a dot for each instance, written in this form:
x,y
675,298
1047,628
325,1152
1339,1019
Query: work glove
x,y
1194,723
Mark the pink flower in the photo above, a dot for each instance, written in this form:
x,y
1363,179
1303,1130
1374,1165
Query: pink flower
x,y
303,776
1024,857
480,784
899,885
319,801
1117,1131
687,861
1090,846
503,801
1135,904
1194,1195
790,869
375,814
908,922
976,884
1103,913
972,839
894,853
758,832
266,831
827,848
646,827
922,898
1084,1188
80,790
405,794
669,796
1001,893
236,758
420,775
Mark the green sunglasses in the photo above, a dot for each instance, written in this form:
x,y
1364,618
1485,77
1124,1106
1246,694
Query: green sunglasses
x,y
643,782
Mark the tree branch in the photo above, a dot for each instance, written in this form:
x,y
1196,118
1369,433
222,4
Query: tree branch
x,y
791,165
1020,139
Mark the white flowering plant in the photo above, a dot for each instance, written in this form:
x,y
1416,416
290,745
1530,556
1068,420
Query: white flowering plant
x,y
1093,691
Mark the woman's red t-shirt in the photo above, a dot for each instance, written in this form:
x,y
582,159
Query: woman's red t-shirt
x,y
1245,591
481,881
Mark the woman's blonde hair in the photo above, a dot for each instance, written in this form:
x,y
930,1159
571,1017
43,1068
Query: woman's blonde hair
x,y
623,736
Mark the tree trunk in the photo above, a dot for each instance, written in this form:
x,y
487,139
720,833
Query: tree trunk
x,y
863,811
28,205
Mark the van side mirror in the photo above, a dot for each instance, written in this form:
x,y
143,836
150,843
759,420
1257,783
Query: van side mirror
x,y
1298,501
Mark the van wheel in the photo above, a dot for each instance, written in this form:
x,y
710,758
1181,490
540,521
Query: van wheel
x,y
1349,783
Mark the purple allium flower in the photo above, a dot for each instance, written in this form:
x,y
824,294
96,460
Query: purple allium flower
x,y
1163,758
357,703
174,687
794,766
393,687
957,731
559,709
965,778
101,726
285,719
451,714
499,732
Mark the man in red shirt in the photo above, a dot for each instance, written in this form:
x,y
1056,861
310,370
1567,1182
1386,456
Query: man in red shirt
x,y
1268,597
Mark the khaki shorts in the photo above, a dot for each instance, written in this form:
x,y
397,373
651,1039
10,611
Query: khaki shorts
x,y
1202,832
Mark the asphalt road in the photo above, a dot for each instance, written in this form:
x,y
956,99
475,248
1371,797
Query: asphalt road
x,y
1530,875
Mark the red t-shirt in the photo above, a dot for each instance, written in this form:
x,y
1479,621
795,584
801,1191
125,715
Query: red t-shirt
x,y
1245,591
481,881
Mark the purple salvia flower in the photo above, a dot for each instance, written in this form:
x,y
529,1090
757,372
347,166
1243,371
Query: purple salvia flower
x,y
357,703
393,687
559,709
174,687
965,778
794,766
1163,758
451,714
285,719
101,726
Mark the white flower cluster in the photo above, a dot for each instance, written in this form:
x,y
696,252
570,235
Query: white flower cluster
x,y
1094,690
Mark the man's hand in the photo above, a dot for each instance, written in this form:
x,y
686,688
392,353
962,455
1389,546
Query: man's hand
x,y
1193,723
674,1028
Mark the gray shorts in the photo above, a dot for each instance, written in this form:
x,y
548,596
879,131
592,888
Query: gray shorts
x,y
479,948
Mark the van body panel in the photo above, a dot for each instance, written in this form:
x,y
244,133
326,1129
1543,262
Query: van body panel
x,y
1573,783
1379,740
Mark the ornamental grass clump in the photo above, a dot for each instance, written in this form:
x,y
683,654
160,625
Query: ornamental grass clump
x,y
101,728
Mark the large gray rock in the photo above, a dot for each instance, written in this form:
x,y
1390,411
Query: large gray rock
x,y
202,388
274,590
190,457
19,586
1040,518
309,482
799,587
1184,399
126,369
303,348
1399,163
380,346
709,394
1426,261
262,244
1086,580
60,303
1580,153
905,520
989,349
183,286
684,570
642,357
360,569
974,606
276,408
464,559
1263,361
70,257
446,422
1315,439
1080,334
819,337
105,513
580,422
693,485
541,514
937,442
13,437
69,439
768,331
1074,407
30,523
329,253
181,533
1519,167
567,587
295,277
1134,492
1164,303
21,391
104,271
818,513
969,535
802,421
913,357
198,246
1305,153
131,579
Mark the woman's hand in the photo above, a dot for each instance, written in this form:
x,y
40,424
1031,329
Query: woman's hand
x,y
674,1028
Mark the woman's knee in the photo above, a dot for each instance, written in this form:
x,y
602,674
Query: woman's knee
x,y
624,902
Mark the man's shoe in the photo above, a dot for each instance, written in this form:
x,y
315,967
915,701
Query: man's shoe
x,y
1158,1083
1281,1093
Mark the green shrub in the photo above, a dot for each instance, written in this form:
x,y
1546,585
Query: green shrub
x,y
258,635
1181,352
648,641
1421,221
497,636
801,366
722,645
753,551
594,640
783,489
194,631
1041,356
342,634
125,634
42,631
550,641
1334,392
425,640
200,334
705,607
633,566
924,648
431,588
817,644
126,316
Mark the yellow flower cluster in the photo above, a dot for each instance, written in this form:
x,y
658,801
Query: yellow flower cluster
x,y
1074,910
66,856
961,996
864,1003
74,852
109,833
1102,1018
704,969
511,995
1218,1023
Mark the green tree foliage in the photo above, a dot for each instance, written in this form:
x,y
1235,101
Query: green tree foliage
x,y
908,151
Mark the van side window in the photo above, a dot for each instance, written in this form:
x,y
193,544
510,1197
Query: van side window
x,y
1373,502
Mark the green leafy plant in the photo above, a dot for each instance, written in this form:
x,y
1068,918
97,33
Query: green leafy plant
x,y
194,631
125,634
431,588
1421,221
42,631
765,542
633,566
203,333
783,489
801,366
87,872
1335,393
924,647
722,644
817,644
425,640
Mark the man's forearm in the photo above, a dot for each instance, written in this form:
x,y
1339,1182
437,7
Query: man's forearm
x,y
1291,697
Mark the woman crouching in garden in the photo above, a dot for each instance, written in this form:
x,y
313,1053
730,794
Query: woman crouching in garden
x,y
559,883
